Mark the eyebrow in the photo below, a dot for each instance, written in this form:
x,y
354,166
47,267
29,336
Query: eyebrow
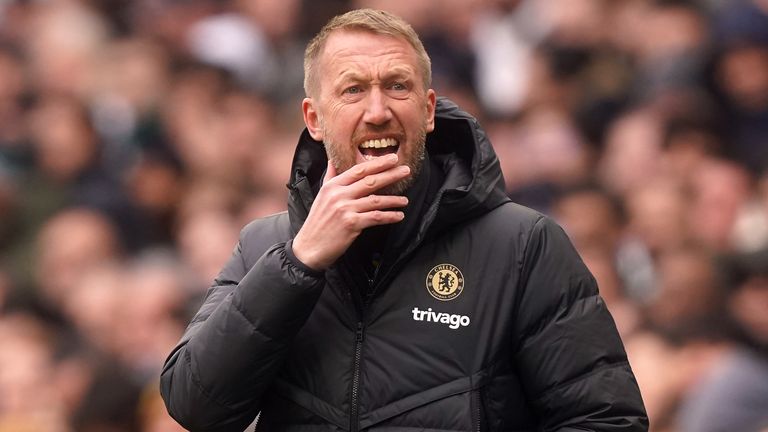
x,y
354,76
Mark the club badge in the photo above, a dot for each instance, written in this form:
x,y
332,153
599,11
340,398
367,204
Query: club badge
x,y
445,282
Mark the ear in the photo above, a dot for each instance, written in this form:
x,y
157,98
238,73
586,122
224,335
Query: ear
x,y
431,102
312,119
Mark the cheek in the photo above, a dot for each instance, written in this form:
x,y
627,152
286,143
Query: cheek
x,y
341,120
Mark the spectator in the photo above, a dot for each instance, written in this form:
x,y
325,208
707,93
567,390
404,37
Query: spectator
x,y
128,127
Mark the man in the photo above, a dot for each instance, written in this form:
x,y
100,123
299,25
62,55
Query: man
x,y
402,290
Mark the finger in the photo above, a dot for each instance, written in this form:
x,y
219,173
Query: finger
x,y
366,168
373,182
379,202
379,217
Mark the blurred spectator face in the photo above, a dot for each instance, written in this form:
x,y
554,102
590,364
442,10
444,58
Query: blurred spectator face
x,y
626,24
28,401
276,18
657,214
455,18
64,141
743,75
12,78
156,294
195,126
206,240
672,31
94,303
687,296
687,150
135,72
590,219
155,185
131,80
68,244
62,59
247,125
720,191
749,305
267,171
632,151
575,22
544,147
556,147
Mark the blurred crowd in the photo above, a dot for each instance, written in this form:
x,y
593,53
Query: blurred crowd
x,y
138,136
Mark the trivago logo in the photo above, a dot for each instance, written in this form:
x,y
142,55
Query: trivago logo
x,y
454,321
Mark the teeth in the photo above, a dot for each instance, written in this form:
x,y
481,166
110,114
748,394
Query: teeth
x,y
379,143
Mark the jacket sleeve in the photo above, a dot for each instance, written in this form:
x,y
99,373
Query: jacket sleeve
x,y
568,352
216,376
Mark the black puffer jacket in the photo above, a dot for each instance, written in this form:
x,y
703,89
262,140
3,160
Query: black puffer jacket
x,y
486,319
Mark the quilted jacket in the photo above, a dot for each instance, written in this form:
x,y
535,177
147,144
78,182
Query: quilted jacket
x,y
481,318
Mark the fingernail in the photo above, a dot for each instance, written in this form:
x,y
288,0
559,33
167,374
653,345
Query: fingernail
x,y
405,169
392,157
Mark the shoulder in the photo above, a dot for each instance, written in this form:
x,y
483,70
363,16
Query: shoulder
x,y
276,224
511,219
537,236
260,234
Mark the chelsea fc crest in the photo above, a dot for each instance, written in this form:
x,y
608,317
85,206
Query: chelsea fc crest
x,y
445,282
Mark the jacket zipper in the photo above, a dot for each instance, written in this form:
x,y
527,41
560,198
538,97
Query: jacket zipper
x,y
354,407
374,283
478,409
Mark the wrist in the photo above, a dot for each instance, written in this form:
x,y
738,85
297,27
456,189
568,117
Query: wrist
x,y
304,257
296,261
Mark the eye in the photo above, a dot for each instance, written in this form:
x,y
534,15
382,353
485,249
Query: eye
x,y
398,86
353,90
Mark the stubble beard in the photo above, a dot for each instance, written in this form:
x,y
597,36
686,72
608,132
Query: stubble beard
x,y
413,158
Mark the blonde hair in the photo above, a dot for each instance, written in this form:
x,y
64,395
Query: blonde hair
x,y
371,20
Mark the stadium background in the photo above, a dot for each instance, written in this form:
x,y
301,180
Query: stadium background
x,y
137,137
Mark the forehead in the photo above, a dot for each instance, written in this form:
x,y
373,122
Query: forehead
x,y
364,47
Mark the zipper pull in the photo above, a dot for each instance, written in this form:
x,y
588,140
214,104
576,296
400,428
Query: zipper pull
x,y
359,333
376,264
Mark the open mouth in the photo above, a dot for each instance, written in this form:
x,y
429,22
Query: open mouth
x,y
378,147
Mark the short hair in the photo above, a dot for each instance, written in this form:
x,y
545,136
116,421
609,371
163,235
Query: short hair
x,y
370,20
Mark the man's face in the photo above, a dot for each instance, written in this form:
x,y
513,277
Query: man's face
x,y
370,102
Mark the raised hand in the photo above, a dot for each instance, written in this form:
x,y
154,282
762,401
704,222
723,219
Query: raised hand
x,y
347,204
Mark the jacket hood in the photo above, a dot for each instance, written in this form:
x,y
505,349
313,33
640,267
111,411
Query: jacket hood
x,y
473,180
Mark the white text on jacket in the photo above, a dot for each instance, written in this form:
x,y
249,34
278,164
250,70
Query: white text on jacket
x,y
454,321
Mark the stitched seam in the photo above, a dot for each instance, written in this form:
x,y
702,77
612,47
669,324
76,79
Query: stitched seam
x,y
546,320
254,329
199,385
523,279
526,252
549,391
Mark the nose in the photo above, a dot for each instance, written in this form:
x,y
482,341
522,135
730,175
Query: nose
x,y
377,111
